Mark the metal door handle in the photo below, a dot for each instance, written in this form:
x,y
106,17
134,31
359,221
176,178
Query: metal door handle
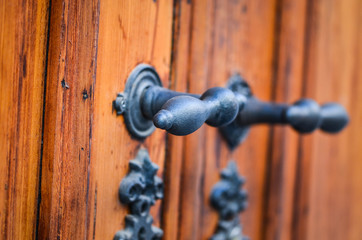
x,y
233,109
184,114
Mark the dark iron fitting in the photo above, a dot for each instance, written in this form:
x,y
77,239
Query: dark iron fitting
x,y
145,105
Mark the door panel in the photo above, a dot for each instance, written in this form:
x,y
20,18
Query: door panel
x,y
300,187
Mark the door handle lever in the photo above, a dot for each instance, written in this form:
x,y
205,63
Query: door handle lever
x,y
184,114
146,104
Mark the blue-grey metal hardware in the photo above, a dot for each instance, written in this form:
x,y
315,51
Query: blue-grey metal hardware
x,y
304,116
228,199
146,104
140,189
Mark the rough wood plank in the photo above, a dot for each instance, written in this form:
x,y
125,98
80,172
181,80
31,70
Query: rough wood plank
x,y
67,165
23,37
93,48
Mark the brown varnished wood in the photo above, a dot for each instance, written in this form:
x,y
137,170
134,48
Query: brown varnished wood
x,y
23,31
250,52
300,187
67,166
93,47
289,63
227,37
330,178
131,32
315,54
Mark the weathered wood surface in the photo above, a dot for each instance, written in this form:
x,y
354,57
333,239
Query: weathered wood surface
x,y
67,168
93,47
23,37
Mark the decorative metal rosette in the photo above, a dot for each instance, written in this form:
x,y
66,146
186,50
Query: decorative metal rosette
x,y
139,190
229,200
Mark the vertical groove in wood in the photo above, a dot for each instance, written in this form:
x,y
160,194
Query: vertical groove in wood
x,y
43,124
23,35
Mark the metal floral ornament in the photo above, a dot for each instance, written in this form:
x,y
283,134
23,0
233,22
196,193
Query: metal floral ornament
x,y
229,200
140,189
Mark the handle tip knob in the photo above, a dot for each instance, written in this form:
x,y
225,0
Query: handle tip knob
x,y
335,117
163,119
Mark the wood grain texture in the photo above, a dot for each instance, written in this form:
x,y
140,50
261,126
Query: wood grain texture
x,y
283,174
93,48
300,187
226,37
131,32
23,31
315,183
66,166
251,52
284,151
330,184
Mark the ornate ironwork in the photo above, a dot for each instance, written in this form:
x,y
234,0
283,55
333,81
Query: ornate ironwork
x,y
229,200
140,189
145,105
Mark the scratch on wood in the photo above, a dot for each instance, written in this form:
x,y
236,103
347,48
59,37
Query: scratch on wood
x,y
95,214
24,65
122,27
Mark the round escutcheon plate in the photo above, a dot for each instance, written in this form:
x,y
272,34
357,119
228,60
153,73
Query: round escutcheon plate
x,y
141,78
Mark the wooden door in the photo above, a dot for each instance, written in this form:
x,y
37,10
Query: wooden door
x,y
64,151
